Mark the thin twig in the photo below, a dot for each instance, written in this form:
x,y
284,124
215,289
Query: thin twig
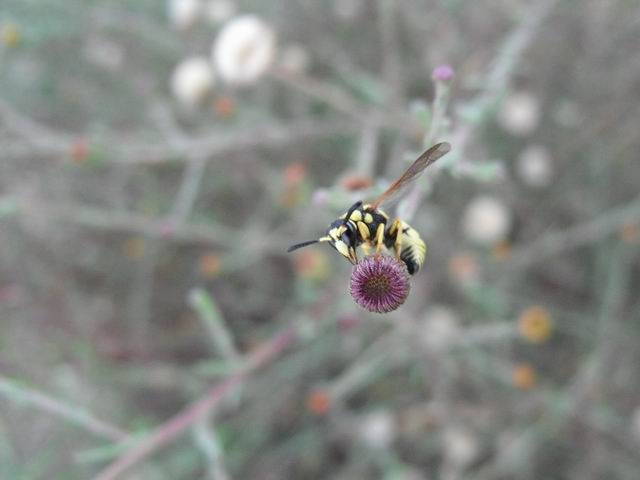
x,y
123,149
212,318
62,409
391,54
368,148
101,219
207,440
194,413
583,234
409,205
341,101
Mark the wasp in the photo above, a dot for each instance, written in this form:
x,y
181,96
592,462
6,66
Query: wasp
x,y
365,225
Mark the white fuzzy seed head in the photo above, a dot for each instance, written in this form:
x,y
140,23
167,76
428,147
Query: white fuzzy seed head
x,y
183,14
104,53
192,80
535,166
486,220
440,328
244,50
519,114
460,446
295,59
220,10
378,429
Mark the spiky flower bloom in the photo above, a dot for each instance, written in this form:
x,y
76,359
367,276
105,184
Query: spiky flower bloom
x,y
380,283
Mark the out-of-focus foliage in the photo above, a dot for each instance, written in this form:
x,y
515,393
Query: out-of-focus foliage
x,y
156,160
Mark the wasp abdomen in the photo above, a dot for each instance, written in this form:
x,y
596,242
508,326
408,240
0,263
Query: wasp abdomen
x,y
412,264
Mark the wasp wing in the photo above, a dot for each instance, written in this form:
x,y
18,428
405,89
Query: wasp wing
x,y
414,171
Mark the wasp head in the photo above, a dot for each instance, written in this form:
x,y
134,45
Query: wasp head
x,y
341,235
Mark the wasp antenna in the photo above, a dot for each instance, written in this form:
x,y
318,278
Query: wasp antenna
x,y
300,245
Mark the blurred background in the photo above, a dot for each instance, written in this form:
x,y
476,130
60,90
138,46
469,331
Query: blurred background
x,y
157,159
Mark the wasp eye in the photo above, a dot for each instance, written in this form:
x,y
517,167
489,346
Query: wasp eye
x,y
349,235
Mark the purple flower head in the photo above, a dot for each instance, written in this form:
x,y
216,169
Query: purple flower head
x,y
380,283
443,73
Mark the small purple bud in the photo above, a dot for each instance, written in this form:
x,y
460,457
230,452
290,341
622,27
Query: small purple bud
x,y
167,230
443,73
380,283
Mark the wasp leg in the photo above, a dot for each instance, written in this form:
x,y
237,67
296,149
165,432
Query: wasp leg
x,y
366,248
396,228
379,238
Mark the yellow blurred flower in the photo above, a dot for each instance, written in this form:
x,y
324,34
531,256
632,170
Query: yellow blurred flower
x,y
524,376
209,265
134,247
535,324
10,34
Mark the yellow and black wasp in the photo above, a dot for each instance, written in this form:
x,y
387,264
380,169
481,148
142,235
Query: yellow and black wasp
x,y
366,225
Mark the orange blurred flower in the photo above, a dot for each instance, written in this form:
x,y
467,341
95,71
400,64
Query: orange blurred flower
x,y
79,151
464,268
318,402
312,264
209,265
354,181
225,107
134,247
524,376
10,34
295,173
535,324
502,251
630,233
